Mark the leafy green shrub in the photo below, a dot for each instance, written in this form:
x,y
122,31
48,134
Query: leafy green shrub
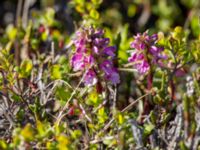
x,y
99,87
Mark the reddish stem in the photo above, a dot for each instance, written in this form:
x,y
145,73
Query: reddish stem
x,y
147,105
150,80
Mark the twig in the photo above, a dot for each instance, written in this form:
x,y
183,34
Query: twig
x,y
115,97
18,13
127,69
9,118
53,51
177,130
125,109
56,82
60,116
84,112
134,102
137,134
132,63
114,94
100,106
43,99
25,13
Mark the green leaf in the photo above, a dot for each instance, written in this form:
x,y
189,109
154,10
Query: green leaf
x,y
44,36
94,14
62,93
110,141
43,129
120,119
49,16
25,68
34,43
124,44
76,134
93,98
102,116
27,132
178,33
195,25
97,2
63,142
80,2
11,32
148,128
183,146
3,145
56,72
131,10
16,97
80,9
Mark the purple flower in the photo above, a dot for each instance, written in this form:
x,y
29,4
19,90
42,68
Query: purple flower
x,y
79,61
90,78
110,72
154,37
142,67
110,51
145,52
114,77
94,55
101,42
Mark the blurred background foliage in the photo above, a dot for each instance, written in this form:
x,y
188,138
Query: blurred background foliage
x,y
155,15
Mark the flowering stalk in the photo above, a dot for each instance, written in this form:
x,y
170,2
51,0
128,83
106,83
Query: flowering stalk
x,y
146,54
94,55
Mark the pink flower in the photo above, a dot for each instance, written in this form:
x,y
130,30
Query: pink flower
x,y
110,72
90,78
110,51
145,52
79,61
94,55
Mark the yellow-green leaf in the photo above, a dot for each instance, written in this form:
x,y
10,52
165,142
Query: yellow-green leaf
x,y
55,72
27,133
94,14
11,32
